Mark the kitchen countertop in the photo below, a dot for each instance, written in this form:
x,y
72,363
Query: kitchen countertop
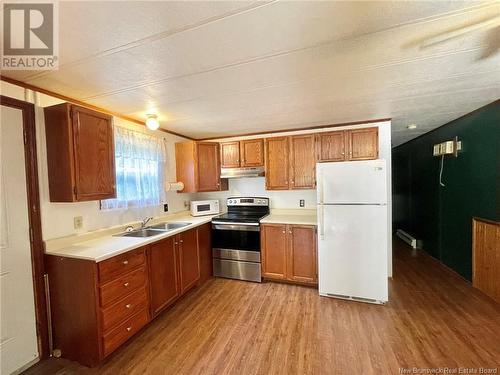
x,y
102,244
284,216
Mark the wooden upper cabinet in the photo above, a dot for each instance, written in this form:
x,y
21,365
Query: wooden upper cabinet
x,y
80,154
302,259
198,166
356,144
207,155
273,238
163,273
331,146
363,143
276,157
302,162
248,153
230,154
252,153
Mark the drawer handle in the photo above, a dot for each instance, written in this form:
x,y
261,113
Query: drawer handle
x,y
126,285
125,262
128,305
129,328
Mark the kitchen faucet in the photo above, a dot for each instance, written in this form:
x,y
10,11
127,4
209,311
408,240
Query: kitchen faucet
x,y
145,221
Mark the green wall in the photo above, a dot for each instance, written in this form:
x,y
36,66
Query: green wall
x,y
442,216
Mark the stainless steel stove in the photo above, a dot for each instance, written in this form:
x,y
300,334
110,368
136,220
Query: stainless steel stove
x,y
236,239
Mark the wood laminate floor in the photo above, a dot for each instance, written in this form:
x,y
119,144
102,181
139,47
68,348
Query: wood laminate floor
x,y
434,319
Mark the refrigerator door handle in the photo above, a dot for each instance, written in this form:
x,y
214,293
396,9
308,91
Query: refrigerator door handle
x,y
321,187
321,222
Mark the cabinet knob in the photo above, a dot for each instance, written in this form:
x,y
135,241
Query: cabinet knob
x,y
293,182
290,231
125,262
129,329
284,232
126,285
181,241
176,243
343,153
128,305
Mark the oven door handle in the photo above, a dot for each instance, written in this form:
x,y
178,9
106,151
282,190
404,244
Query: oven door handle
x,y
246,227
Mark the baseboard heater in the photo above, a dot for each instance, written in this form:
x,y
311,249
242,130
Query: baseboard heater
x,y
408,238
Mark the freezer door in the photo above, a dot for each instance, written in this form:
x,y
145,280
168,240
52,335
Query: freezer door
x,y
352,182
352,252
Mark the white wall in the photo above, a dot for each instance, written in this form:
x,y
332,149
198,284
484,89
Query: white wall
x,y
57,218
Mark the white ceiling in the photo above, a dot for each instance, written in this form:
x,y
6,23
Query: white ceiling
x,y
212,69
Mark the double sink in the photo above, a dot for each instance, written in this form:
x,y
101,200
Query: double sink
x,y
154,230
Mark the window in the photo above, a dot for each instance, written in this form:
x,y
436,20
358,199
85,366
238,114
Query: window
x,y
140,169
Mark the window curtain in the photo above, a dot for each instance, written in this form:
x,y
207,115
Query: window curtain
x,y
140,169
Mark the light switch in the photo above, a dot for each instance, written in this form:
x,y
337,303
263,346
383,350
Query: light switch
x,y
78,222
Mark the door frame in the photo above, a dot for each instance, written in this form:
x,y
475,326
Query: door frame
x,y
33,198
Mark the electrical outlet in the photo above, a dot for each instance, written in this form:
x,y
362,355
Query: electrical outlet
x,y
165,207
186,204
302,203
78,222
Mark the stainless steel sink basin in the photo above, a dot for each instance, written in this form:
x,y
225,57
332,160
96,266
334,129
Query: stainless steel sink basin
x,y
142,233
169,226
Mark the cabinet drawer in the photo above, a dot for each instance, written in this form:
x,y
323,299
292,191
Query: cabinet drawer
x,y
114,338
122,286
124,308
120,264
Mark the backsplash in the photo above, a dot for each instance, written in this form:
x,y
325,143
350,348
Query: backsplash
x,y
256,187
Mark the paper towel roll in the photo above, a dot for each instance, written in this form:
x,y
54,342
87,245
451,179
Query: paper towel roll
x,y
174,186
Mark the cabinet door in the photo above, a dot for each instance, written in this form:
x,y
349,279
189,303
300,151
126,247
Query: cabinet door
x,y
205,251
302,260
331,146
208,172
277,163
230,154
302,162
252,153
273,237
189,260
363,144
163,274
94,156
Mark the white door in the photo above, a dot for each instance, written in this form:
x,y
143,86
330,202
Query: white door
x,y
362,182
352,251
18,346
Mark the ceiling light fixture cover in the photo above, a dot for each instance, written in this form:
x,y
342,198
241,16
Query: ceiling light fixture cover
x,y
152,122
412,126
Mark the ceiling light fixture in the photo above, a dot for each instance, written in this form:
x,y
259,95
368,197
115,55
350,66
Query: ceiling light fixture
x,y
152,122
411,126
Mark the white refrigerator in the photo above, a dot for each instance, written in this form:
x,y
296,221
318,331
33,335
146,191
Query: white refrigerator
x,y
352,230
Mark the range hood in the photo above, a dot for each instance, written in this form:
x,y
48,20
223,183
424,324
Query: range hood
x,y
242,172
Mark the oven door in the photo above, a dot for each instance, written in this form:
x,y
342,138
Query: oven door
x,y
236,237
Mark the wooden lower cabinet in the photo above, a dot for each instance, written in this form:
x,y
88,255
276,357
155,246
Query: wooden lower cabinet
x,y
164,274
273,238
174,267
96,307
289,253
